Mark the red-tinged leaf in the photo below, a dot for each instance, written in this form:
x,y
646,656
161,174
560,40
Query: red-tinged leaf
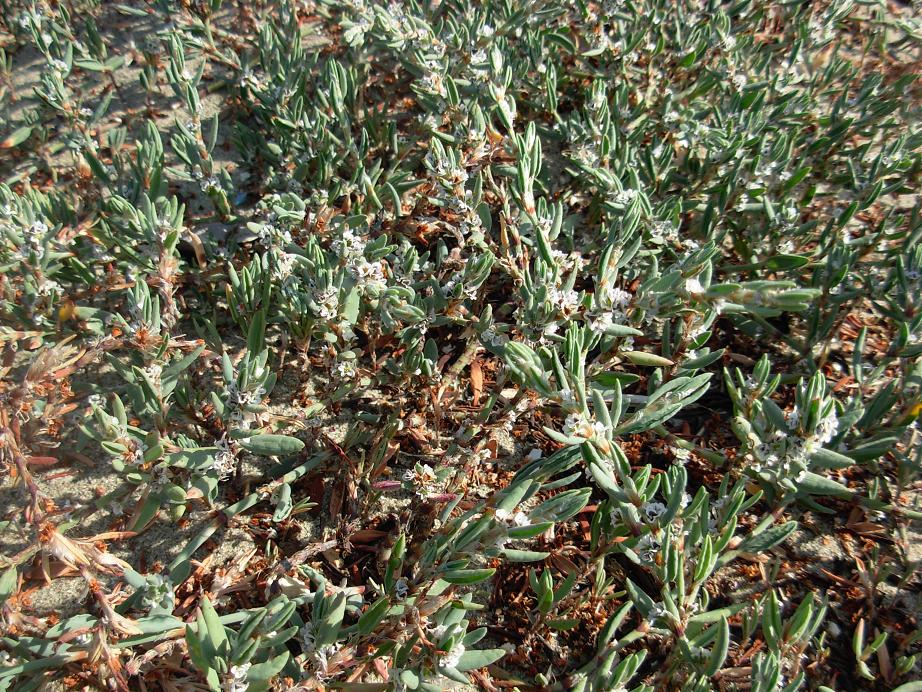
x,y
367,536
41,461
16,138
476,382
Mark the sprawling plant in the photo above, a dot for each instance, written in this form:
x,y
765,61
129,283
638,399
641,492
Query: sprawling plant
x,y
519,344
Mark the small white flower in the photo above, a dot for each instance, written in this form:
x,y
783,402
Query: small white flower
x,y
512,519
602,322
210,184
599,430
566,397
624,197
161,476
693,286
647,548
653,510
827,428
153,372
453,657
424,478
680,454
618,298
574,425
345,370
564,300
493,338
224,461
327,303
438,631
48,287
658,612
39,228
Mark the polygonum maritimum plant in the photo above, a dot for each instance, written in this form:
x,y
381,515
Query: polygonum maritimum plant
x,y
524,344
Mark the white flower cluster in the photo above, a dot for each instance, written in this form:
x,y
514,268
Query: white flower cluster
x,y
443,172
647,547
405,32
506,519
478,66
693,286
624,197
576,425
270,235
210,184
565,300
423,480
680,455
34,241
135,454
827,428
160,475
782,455
452,657
225,461
457,279
369,276
470,225
236,400
158,593
327,302
617,298
586,153
614,303
345,370
787,455
237,681
153,373
493,338
248,79
432,80
283,267
653,510
319,656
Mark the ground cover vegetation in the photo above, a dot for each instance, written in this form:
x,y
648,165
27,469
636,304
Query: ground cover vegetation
x,y
523,344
